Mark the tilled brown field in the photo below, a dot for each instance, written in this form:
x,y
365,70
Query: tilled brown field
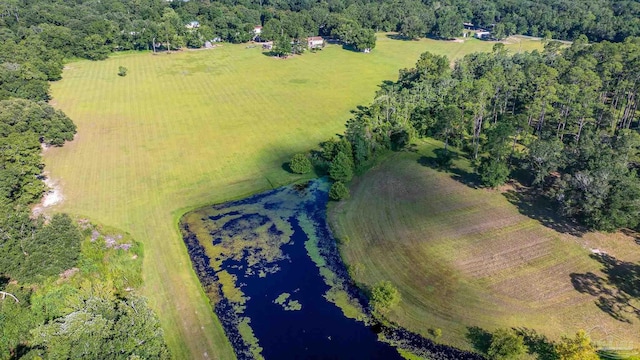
x,y
464,257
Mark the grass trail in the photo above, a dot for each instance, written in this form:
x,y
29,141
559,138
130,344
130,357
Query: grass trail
x,y
199,127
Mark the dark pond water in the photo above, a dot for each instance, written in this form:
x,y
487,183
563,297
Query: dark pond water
x,y
319,330
251,257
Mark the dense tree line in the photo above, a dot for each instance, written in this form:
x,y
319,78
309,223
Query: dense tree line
x,y
46,309
566,116
36,35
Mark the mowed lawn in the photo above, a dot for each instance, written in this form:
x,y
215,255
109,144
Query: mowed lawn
x,y
464,257
196,127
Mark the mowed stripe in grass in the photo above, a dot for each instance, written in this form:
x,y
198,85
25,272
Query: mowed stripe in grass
x,y
198,127
464,257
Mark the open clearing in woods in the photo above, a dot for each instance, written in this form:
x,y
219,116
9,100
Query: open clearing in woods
x,y
464,257
199,127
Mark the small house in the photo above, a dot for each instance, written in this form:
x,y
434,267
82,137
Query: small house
x,y
257,30
483,35
315,42
193,25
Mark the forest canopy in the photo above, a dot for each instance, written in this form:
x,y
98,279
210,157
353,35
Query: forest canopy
x,y
566,117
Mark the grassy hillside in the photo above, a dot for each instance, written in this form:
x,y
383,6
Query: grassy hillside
x,y
199,127
464,257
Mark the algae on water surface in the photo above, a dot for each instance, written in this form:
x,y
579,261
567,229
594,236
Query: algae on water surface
x,y
268,264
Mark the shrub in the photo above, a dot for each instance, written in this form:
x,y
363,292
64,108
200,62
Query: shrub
x,y
338,191
345,240
493,173
300,164
436,333
341,168
444,159
122,71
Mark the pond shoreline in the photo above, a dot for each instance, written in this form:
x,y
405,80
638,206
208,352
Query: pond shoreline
x,y
329,252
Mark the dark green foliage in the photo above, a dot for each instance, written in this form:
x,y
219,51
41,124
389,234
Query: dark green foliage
x,y
341,168
493,173
23,125
444,159
51,126
599,188
52,249
448,23
413,27
16,319
565,115
100,328
20,164
300,164
33,251
122,71
399,139
338,191
544,157
506,344
282,46
383,297
364,39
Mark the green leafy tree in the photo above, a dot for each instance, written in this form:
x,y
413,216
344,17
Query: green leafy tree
x,y
364,39
413,28
505,345
544,157
578,347
16,319
493,172
300,164
338,191
341,168
122,71
282,46
448,23
100,328
384,297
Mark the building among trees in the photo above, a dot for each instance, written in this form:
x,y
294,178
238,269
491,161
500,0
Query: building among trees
x,y
315,42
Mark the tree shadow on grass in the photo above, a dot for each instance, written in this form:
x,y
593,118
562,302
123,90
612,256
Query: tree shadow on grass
x,y
398,37
537,344
443,161
479,338
286,166
617,292
350,48
634,234
536,205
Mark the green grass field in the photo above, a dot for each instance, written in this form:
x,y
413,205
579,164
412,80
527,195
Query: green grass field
x,y
191,128
464,257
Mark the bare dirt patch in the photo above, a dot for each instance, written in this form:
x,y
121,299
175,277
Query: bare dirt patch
x,y
52,196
